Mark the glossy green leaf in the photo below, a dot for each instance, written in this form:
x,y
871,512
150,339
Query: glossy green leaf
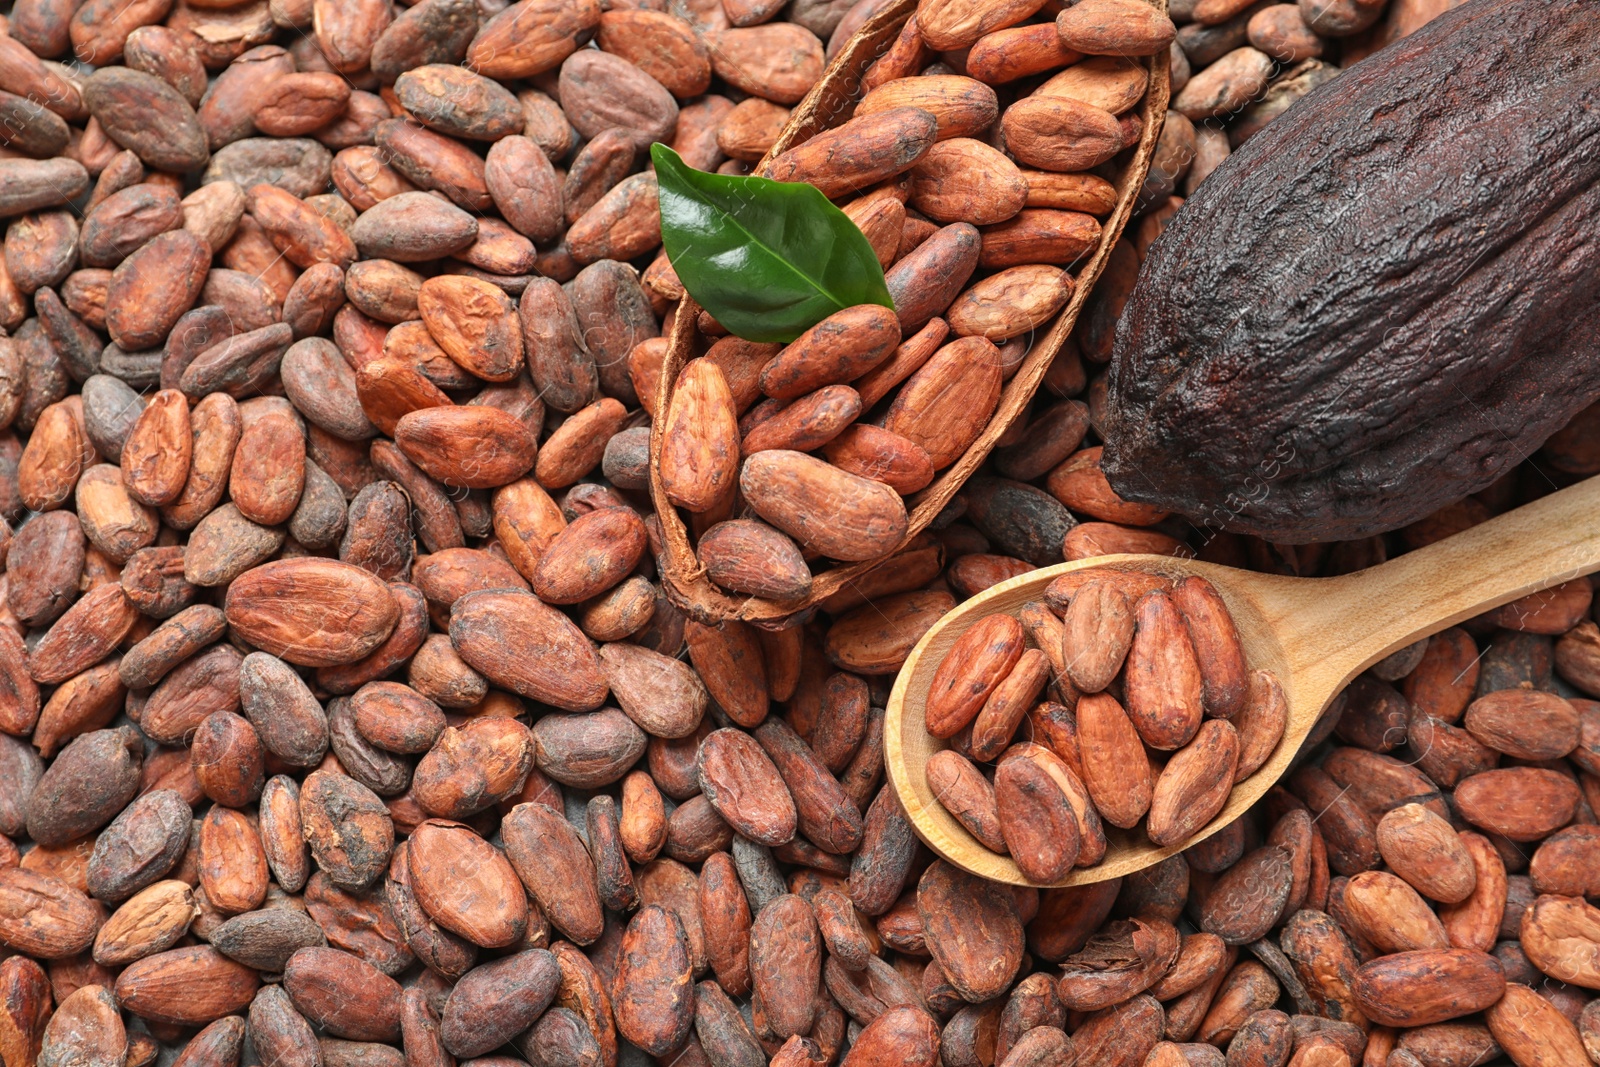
x,y
768,259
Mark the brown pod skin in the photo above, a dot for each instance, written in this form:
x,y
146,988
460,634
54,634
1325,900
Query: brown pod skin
x,y
343,994
552,862
903,1035
1223,678
654,1000
786,964
742,784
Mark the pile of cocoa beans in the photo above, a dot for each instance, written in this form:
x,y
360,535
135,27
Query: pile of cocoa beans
x,y
343,720
1154,717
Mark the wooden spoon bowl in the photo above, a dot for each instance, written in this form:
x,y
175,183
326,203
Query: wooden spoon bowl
x,y
1315,634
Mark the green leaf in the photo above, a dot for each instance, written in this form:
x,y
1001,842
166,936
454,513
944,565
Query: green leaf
x,y
768,259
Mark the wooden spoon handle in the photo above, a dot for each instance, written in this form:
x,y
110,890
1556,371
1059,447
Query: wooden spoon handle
x,y
1363,617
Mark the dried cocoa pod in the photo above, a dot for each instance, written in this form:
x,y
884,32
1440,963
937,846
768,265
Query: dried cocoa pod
x,y
1298,491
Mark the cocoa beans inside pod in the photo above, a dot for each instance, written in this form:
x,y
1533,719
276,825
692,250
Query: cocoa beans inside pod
x,y
957,189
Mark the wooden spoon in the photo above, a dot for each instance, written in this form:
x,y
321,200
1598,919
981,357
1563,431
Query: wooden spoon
x,y
1316,634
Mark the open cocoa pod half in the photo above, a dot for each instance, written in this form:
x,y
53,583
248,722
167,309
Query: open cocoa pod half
x,y
825,485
